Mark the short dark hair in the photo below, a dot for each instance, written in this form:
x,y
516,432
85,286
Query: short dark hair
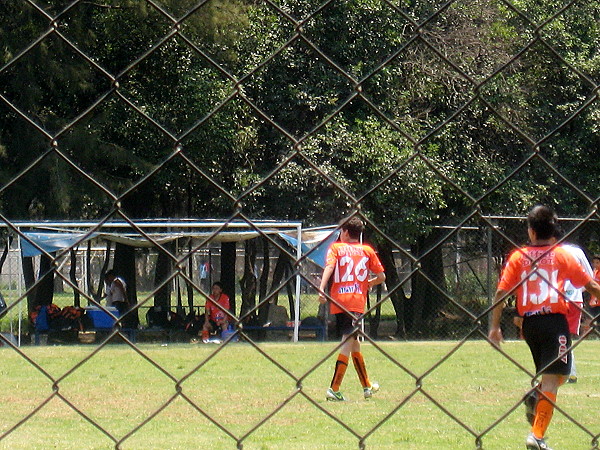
x,y
354,226
596,257
218,283
543,220
110,273
558,232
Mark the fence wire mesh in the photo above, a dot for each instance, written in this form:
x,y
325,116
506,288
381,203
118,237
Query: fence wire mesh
x,y
430,120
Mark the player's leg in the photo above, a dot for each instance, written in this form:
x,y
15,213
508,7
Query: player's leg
x,y
573,374
359,365
358,361
551,357
544,410
344,327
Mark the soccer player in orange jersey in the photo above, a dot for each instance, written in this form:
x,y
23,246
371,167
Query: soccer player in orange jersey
x,y
350,263
538,273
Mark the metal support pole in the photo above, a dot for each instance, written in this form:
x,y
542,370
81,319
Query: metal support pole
x,y
20,284
298,280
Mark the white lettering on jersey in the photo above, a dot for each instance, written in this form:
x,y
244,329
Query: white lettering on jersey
x,y
346,266
547,285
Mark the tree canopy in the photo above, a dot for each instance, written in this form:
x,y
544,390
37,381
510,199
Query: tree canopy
x,y
417,113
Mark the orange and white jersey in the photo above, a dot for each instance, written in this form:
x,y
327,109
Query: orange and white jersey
x,y
352,264
574,294
542,272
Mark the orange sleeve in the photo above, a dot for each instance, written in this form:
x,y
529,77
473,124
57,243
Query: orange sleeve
x,y
375,265
331,259
509,278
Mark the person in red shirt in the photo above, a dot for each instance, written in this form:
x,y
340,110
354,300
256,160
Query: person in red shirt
x,y
350,263
594,301
537,274
215,317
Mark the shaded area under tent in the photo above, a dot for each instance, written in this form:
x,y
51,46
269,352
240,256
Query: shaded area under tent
x,y
56,237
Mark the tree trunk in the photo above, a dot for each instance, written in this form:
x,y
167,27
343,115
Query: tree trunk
x,y
124,266
392,280
188,285
278,272
266,268
289,287
278,275
248,281
44,292
162,271
97,294
228,272
29,278
88,270
375,319
4,254
59,286
179,300
426,299
73,278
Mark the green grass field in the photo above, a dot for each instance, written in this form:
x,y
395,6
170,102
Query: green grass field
x,y
308,305
239,387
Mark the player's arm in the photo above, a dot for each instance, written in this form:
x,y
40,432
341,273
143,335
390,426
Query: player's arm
x,y
495,333
324,280
593,288
378,279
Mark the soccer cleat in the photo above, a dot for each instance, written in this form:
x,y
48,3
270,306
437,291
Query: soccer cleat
x,y
368,392
530,400
334,396
533,443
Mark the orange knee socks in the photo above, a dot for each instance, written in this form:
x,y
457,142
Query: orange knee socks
x,y
340,370
543,414
361,369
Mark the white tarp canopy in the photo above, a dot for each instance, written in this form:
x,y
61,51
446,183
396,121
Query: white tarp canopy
x,y
313,241
55,241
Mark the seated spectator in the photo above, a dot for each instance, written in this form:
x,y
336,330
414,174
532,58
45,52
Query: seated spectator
x,y
116,292
214,317
593,303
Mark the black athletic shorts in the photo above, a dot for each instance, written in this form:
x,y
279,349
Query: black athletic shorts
x,y
548,338
343,324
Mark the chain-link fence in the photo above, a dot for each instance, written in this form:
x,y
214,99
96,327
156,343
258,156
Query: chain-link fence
x,y
432,121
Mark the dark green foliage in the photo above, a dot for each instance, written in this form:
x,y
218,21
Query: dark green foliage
x,y
414,113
